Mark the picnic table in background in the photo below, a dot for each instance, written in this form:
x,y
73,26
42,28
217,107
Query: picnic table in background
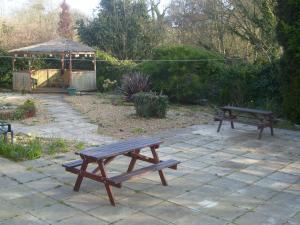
x,y
260,118
5,128
102,156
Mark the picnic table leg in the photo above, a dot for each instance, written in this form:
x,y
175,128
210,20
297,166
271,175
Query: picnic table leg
x,y
271,126
231,120
232,125
107,186
272,129
80,176
260,132
160,172
132,162
220,124
107,161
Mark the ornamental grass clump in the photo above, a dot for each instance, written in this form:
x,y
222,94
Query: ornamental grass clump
x,y
133,83
151,104
32,149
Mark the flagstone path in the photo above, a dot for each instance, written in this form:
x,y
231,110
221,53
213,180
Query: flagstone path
x,y
67,123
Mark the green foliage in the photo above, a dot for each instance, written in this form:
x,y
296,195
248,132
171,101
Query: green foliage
x,y
150,105
109,67
26,110
184,73
288,31
80,146
133,83
138,131
208,76
5,70
57,146
17,152
122,28
249,85
109,85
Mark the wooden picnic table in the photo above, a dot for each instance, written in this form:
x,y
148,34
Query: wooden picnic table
x,y
5,128
259,118
102,156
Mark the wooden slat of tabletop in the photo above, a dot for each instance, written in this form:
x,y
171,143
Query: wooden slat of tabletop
x,y
247,110
119,147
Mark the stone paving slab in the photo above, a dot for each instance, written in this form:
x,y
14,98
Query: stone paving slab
x,y
226,178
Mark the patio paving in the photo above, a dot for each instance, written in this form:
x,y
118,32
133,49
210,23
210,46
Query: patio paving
x,y
226,178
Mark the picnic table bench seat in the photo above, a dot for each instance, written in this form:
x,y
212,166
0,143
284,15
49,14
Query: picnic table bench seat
x,y
172,164
73,164
259,118
103,155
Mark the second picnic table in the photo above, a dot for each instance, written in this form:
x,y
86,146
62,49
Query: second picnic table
x,y
102,156
259,118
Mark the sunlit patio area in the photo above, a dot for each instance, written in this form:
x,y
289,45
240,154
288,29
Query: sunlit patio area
x,y
224,178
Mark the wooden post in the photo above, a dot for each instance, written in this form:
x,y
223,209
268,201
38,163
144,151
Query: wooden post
x,y
13,69
95,63
13,63
70,68
29,64
29,69
62,72
62,63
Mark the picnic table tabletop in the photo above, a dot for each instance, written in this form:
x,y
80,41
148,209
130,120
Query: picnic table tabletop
x,y
119,148
247,110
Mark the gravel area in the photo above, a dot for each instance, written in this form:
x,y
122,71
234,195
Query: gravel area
x,y
117,119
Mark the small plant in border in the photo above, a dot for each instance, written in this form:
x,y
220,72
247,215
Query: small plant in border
x,y
18,152
151,104
26,110
133,83
57,146
109,85
80,146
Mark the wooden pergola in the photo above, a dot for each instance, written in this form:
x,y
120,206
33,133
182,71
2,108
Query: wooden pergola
x,y
64,48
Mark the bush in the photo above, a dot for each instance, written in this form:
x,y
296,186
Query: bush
x,y
150,105
5,70
197,74
17,152
133,83
288,33
24,111
110,68
249,85
109,85
186,74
